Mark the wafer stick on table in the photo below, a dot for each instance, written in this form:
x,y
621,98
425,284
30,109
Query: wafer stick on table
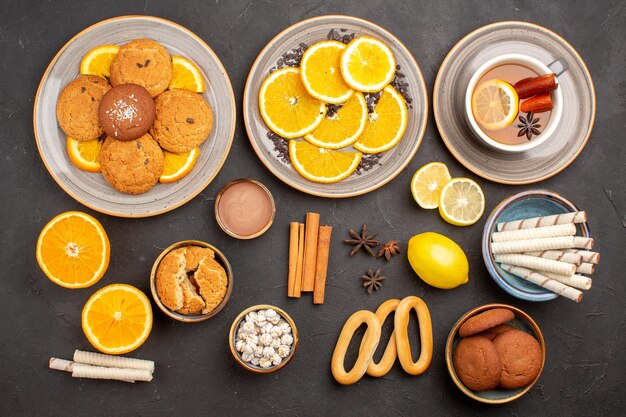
x,y
573,217
568,229
70,366
548,243
112,361
576,281
544,282
537,264
588,256
558,255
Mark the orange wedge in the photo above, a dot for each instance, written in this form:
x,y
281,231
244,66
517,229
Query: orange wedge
x,y
117,319
287,107
186,75
73,250
98,60
321,72
322,165
176,165
84,154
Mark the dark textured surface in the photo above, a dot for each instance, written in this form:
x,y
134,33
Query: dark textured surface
x,y
195,374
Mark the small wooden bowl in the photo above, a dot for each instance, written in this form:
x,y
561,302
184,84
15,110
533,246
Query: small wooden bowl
x,y
523,322
237,323
192,318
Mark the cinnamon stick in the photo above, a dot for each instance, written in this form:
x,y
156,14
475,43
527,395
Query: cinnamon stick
x,y
532,86
310,251
321,264
537,104
297,285
293,257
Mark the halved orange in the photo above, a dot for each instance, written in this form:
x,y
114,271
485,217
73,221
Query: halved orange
x,y
322,165
321,72
117,319
385,125
84,153
186,75
367,64
344,127
73,250
178,165
287,107
98,60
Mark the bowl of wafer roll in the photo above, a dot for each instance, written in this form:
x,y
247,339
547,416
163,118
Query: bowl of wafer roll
x,y
537,246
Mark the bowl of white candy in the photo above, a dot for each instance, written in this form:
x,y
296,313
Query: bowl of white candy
x,y
263,338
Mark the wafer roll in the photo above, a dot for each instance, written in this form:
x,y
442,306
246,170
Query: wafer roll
x,y
68,366
568,229
558,255
588,256
548,243
585,268
111,361
573,217
537,264
576,281
544,282
120,374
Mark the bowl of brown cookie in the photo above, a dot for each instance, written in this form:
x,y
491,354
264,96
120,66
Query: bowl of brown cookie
x,y
191,281
495,353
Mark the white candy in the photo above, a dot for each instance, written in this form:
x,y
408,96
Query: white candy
x,y
239,344
265,363
286,327
249,348
248,327
258,351
251,338
275,343
255,361
266,339
286,339
247,357
267,328
283,351
268,351
276,360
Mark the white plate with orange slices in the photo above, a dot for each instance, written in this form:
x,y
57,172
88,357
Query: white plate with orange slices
x,y
74,166
335,106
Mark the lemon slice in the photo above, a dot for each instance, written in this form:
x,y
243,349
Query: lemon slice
x,y
176,166
461,202
322,165
385,125
98,60
186,75
494,104
286,107
321,72
367,64
344,127
427,183
84,153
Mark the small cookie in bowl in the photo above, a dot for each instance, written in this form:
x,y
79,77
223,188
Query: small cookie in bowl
x,y
520,355
77,107
133,166
144,62
183,120
477,362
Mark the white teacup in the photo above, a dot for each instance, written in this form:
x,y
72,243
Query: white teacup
x,y
529,62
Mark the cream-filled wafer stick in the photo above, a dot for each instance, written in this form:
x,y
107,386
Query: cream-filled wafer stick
x,y
573,217
558,255
68,366
588,256
576,281
100,359
547,243
120,374
537,264
585,268
544,282
568,229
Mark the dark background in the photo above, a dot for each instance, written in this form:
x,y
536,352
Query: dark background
x,y
195,374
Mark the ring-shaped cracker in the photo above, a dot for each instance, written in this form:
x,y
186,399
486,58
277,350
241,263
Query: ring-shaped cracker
x,y
401,328
391,352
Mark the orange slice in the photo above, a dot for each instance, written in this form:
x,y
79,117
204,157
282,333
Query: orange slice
x,y
186,75
73,250
322,165
117,319
494,104
344,127
321,72
98,60
286,107
367,64
176,166
84,154
385,125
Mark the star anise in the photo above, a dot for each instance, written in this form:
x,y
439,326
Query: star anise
x,y
389,249
372,281
362,241
528,126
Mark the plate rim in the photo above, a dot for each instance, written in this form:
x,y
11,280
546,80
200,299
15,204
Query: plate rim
x,y
209,179
465,163
370,188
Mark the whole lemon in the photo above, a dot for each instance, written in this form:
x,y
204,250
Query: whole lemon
x,y
438,260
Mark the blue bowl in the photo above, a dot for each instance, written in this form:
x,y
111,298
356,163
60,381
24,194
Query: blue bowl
x,y
524,205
